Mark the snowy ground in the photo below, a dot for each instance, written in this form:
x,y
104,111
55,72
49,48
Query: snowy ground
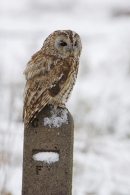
x,y
100,102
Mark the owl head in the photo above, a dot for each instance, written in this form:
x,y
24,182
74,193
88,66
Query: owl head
x,y
63,44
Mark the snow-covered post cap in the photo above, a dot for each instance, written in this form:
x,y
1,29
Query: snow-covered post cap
x,y
48,153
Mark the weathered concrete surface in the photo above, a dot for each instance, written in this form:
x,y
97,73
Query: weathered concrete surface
x,y
40,178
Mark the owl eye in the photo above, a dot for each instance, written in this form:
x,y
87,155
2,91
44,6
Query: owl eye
x,y
75,43
63,43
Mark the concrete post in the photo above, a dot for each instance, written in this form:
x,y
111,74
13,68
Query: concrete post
x,y
48,154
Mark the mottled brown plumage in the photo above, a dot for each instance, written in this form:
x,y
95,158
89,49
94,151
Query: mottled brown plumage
x,y
51,73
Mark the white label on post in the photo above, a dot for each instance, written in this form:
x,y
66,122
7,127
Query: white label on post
x,y
47,157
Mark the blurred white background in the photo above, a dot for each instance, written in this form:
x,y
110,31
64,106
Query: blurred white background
x,y
100,101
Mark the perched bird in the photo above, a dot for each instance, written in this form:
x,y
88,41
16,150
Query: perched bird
x,y
51,73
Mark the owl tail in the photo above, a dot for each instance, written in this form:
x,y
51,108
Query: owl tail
x,y
31,111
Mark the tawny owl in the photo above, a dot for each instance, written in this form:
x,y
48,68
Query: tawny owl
x,y
51,73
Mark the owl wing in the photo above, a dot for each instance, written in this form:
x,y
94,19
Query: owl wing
x,y
46,77
34,101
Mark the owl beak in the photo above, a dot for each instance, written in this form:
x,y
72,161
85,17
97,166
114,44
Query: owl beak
x,y
71,52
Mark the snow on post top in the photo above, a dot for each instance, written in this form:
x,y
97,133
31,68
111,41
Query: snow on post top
x,y
58,117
